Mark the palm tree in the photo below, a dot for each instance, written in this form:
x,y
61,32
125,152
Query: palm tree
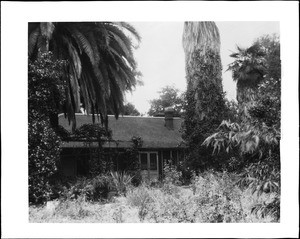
x,y
205,103
248,69
100,68
201,43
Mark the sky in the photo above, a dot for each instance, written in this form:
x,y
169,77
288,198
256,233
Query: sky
x,y
161,59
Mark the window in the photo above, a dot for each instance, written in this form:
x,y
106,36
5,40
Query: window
x,y
144,161
153,161
149,161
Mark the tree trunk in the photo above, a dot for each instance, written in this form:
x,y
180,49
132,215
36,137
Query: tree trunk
x,y
205,98
201,42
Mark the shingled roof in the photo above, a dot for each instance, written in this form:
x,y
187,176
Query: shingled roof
x,y
152,130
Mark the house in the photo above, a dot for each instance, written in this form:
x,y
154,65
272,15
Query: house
x,y
161,139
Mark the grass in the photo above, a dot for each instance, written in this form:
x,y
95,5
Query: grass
x,y
210,198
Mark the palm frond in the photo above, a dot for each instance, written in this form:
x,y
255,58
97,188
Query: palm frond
x,y
83,43
130,28
101,66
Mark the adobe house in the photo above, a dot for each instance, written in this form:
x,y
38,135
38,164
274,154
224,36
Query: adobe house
x,y
160,135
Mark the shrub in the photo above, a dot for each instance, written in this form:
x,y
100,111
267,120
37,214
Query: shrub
x,y
166,207
141,198
121,182
218,197
75,209
171,174
91,189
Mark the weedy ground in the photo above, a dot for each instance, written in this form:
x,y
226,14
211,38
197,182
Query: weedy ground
x,y
208,199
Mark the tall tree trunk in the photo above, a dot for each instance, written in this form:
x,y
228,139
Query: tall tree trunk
x,y
205,98
246,99
201,43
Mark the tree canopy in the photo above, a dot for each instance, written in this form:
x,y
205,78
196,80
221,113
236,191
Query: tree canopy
x,y
253,68
169,96
129,109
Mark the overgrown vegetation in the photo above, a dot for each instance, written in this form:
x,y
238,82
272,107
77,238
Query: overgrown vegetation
x,y
211,198
256,134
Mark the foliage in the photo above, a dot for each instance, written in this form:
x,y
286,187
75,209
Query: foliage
x,y
257,136
139,196
100,64
130,160
267,107
89,133
212,197
249,139
92,132
43,158
45,89
171,174
259,162
129,109
168,97
249,66
91,189
257,70
45,84
121,182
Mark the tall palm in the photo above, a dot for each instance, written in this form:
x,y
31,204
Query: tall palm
x,y
205,99
248,69
201,43
100,68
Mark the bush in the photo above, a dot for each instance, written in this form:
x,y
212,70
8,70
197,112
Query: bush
x,y
91,189
141,198
121,182
218,197
171,174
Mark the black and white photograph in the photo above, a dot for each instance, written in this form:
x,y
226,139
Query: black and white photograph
x,y
153,122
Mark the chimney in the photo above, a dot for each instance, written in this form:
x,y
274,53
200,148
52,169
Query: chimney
x,y
169,112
